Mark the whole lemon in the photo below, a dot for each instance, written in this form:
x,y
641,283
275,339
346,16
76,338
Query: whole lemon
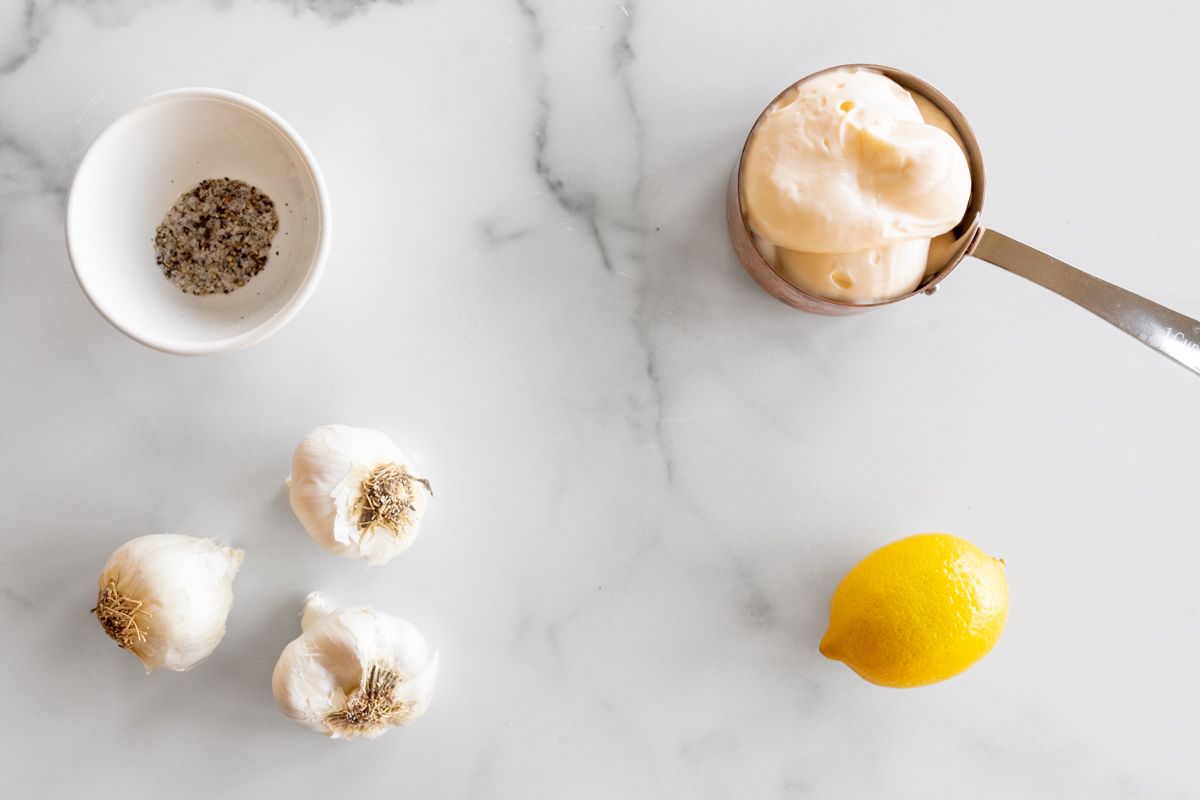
x,y
917,611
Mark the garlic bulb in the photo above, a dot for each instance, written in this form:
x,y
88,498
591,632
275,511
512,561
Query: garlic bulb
x,y
354,672
165,598
355,493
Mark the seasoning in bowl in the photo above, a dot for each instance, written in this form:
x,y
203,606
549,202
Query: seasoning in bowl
x,y
216,237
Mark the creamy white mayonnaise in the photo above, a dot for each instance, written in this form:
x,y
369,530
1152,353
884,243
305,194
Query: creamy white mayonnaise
x,y
848,181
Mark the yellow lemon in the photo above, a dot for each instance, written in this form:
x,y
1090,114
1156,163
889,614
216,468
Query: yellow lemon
x,y
917,611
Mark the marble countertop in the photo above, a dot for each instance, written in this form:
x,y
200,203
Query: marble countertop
x,y
650,474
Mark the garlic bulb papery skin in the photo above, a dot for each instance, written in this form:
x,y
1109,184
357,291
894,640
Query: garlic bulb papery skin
x,y
356,493
354,672
165,598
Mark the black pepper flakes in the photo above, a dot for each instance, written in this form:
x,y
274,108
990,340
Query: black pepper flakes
x,y
216,237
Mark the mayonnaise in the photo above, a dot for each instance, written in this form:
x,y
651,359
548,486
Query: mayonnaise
x,y
849,182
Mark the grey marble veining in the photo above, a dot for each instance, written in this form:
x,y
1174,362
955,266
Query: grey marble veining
x,y
650,475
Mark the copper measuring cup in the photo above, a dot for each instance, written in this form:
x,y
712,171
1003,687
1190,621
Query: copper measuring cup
x,y
1174,335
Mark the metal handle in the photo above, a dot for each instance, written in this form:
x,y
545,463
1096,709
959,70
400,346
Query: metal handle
x,y
1175,336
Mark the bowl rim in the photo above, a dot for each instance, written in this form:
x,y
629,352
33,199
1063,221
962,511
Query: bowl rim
x,y
307,284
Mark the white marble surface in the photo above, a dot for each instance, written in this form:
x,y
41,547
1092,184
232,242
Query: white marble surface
x,y
650,475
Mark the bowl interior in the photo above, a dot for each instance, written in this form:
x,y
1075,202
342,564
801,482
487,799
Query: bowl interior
x,y
134,173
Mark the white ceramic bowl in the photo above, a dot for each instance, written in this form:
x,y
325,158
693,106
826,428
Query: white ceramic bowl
x,y
132,175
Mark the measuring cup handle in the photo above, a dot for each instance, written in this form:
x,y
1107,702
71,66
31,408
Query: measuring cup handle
x,y
1175,336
